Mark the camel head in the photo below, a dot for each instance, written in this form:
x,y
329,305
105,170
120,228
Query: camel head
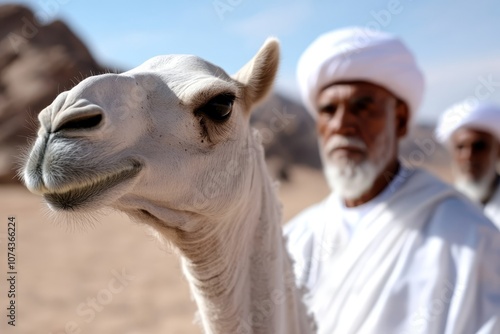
x,y
165,141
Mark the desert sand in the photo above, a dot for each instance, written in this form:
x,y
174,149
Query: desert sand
x,y
110,278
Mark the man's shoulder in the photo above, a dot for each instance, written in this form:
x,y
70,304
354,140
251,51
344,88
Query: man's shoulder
x,y
453,212
461,222
452,207
492,208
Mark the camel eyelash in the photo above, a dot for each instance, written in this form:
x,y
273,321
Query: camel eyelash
x,y
214,114
218,108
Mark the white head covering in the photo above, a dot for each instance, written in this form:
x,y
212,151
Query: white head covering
x,y
484,116
359,54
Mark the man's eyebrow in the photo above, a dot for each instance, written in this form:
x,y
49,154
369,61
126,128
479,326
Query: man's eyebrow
x,y
480,141
363,99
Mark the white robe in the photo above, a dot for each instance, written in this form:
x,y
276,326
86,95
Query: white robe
x,y
492,208
422,259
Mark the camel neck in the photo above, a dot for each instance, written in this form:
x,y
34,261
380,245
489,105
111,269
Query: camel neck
x,y
239,271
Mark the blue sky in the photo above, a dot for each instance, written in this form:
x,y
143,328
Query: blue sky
x,y
456,42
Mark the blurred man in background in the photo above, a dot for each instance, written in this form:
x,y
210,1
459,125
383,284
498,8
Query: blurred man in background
x,y
392,249
471,131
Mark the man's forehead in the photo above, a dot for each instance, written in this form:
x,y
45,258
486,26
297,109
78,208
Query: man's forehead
x,y
471,134
353,89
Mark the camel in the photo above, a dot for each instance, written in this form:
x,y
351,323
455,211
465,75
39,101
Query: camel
x,y
169,143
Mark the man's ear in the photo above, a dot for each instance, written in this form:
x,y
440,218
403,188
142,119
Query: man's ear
x,y
402,118
258,75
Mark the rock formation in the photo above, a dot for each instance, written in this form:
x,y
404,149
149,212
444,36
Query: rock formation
x,y
36,63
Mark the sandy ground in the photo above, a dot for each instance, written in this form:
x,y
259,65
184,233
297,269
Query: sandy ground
x,y
110,279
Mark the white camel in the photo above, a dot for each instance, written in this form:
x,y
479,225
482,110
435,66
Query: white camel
x,y
169,143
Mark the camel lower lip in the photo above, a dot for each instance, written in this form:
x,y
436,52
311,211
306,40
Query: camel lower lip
x,y
79,196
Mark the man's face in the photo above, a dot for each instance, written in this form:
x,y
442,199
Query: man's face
x,y
358,124
475,154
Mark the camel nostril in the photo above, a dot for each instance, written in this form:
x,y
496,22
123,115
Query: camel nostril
x,y
81,122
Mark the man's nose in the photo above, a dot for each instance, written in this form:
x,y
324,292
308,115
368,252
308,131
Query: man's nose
x,y
465,153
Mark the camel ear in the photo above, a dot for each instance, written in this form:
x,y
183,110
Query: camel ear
x,y
257,76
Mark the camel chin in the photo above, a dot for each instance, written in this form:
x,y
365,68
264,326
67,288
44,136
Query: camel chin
x,y
91,193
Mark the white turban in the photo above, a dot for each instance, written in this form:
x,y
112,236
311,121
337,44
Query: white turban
x,y
483,116
359,54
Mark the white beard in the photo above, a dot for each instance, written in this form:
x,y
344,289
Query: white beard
x,y
351,179
475,190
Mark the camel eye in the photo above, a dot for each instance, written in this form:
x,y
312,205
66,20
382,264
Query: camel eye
x,y
218,108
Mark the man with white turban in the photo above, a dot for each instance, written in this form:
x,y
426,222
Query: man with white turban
x,y
471,131
392,249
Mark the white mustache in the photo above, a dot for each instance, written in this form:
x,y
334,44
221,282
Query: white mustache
x,y
338,141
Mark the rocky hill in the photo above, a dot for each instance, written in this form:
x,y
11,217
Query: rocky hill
x,y
36,63
288,134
